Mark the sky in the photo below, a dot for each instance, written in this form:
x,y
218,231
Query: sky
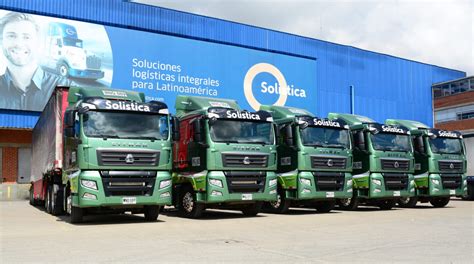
x,y
439,32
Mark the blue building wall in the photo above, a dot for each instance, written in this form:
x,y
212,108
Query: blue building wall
x,y
385,86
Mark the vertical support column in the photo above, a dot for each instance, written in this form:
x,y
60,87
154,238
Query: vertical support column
x,y
351,87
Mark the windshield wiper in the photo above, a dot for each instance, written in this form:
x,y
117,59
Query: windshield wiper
x,y
334,146
138,137
314,145
105,136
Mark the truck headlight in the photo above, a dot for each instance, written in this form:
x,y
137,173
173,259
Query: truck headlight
x,y
412,182
165,183
272,182
216,182
89,184
349,183
377,190
306,190
377,182
165,195
216,193
305,181
464,182
434,181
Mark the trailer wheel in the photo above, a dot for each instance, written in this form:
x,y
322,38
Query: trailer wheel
x,y
348,203
439,201
252,209
47,200
407,202
57,200
63,69
188,207
386,204
32,196
151,213
325,207
281,205
75,213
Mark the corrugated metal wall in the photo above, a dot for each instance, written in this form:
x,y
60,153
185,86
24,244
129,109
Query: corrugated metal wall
x,y
18,119
385,86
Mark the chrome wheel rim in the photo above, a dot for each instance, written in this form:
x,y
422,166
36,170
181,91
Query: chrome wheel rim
x,y
69,205
188,202
346,201
277,203
404,200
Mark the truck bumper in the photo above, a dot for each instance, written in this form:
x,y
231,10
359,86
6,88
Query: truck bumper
x,y
216,194
432,185
86,74
307,188
372,186
88,197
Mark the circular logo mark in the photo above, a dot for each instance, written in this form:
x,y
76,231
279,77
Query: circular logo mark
x,y
396,165
451,166
329,163
246,161
254,71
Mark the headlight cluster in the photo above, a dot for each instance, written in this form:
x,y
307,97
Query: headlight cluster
x,y
89,184
377,182
272,182
434,181
216,182
165,183
305,181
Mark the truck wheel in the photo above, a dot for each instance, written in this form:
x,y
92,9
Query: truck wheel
x,y
325,207
407,202
47,200
348,203
470,191
281,205
386,204
151,213
252,209
32,196
63,69
75,213
188,207
439,201
56,200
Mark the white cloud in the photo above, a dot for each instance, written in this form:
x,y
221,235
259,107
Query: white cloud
x,y
438,32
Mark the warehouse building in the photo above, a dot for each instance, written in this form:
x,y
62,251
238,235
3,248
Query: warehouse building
x,y
164,53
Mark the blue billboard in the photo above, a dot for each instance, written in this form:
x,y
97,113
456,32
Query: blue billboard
x,y
161,66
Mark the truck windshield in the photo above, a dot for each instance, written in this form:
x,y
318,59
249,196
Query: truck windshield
x,y
391,142
325,137
125,125
72,42
446,145
232,131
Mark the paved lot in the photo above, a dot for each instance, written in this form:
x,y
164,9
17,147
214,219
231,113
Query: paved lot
x,y
424,234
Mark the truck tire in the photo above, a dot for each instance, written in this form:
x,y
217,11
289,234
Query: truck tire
x,y
348,203
151,213
57,200
32,196
63,69
75,213
325,206
386,204
188,207
47,200
407,202
252,209
439,202
281,205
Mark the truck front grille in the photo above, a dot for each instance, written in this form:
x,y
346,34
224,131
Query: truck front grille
x,y
93,62
108,157
450,166
395,164
329,181
245,181
245,160
395,181
326,162
128,183
451,181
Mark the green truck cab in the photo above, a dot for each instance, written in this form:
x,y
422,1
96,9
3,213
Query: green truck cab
x,y
440,164
102,151
314,160
383,163
223,157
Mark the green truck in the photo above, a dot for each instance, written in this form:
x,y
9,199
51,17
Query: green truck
x,y
383,164
101,151
440,164
314,160
223,157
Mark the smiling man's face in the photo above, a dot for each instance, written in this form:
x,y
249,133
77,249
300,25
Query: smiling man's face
x,y
20,42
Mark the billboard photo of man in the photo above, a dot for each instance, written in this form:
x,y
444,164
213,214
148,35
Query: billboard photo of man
x,y
24,84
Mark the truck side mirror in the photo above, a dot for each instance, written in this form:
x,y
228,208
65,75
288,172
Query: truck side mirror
x,y
198,135
360,141
175,128
69,118
277,132
289,135
419,146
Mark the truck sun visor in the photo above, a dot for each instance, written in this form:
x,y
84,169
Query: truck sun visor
x,y
104,104
225,113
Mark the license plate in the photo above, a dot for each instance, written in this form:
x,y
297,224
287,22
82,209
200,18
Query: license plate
x,y
396,193
129,200
329,194
247,196
452,192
